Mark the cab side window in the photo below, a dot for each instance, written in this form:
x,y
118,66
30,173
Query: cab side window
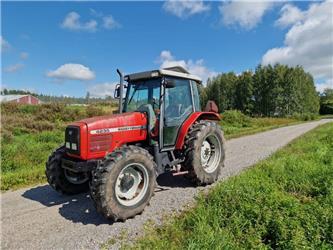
x,y
196,96
178,106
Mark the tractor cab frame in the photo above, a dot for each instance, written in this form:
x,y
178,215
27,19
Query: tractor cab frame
x,y
168,96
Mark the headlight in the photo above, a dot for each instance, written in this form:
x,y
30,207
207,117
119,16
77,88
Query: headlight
x,y
74,146
72,139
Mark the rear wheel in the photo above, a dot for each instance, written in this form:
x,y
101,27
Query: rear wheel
x,y
63,180
204,152
123,184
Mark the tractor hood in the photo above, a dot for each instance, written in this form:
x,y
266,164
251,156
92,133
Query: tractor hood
x,y
115,123
102,134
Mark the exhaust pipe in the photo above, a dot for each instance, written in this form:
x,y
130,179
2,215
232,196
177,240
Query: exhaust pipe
x,y
121,76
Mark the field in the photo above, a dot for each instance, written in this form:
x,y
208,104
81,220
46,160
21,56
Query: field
x,y
30,133
284,202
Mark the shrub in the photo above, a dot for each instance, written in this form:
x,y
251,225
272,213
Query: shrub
x,y
9,107
39,126
7,136
326,108
94,111
236,118
28,109
50,112
305,116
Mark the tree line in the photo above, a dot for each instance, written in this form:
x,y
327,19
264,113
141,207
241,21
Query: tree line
x,y
62,99
277,90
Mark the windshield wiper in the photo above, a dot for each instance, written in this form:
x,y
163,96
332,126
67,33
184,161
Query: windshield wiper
x,y
137,86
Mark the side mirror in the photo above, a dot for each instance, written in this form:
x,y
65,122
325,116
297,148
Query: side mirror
x,y
117,91
170,84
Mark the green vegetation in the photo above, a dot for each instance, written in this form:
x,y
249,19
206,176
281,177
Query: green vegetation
x,y
279,91
235,123
30,133
23,160
326,102
284,202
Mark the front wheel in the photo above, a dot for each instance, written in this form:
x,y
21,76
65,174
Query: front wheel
x,y
205,153
63,180
123,184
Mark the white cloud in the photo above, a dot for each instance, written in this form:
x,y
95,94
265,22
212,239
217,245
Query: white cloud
x,y
244,14
308,43
24,55
4,44
13,68
110,23
102,90
72,71
72,22
166,60
185,8
289,15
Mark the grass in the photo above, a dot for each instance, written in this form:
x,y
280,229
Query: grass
x,y
28,136
236,124
23,160
30,133
284,202
256,125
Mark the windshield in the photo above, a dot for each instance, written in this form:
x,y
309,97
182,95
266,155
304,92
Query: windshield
x,y
143,92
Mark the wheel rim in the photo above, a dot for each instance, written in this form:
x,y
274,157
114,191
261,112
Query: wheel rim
x,y
132,184
76,178
210,153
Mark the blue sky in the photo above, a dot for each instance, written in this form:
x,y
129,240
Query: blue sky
x,y
69,48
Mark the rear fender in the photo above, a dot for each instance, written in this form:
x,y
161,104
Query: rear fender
x,y
196,116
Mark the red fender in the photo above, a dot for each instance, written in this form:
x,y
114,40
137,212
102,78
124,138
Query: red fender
x,y
188,123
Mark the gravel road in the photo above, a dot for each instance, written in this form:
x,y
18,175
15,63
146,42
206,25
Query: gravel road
x,y
40,218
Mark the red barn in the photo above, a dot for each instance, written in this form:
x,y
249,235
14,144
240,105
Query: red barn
x,y
23,99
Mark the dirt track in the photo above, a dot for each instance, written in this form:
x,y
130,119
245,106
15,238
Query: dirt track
x,y
39,218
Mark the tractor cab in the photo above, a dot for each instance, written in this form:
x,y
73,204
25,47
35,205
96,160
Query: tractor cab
x,y
168,96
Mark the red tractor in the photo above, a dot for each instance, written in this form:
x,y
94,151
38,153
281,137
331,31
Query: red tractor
x,y
160,127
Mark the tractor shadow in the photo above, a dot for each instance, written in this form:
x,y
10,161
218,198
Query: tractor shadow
x,y
76,208
166,181
80,209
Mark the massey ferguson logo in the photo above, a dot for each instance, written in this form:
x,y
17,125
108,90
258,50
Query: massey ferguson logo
x,y
112,130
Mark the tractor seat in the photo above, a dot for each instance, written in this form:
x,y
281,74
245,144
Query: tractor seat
x,y
148,109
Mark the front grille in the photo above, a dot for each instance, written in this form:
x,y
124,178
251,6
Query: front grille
x,y
100,143
72,140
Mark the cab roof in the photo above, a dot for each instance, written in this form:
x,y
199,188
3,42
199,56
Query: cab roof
x,y
177,71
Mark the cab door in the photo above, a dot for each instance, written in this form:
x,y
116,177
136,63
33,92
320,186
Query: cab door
x,y
177,106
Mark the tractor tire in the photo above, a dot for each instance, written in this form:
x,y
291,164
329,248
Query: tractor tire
x,y
58,178
204,152
123,183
